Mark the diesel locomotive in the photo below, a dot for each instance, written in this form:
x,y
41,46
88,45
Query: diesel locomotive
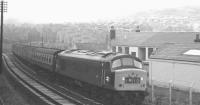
x,y
111,75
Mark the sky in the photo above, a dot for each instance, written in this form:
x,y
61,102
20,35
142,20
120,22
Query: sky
x,y
61,11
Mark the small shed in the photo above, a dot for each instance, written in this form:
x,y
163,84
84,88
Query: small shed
x,y
179,63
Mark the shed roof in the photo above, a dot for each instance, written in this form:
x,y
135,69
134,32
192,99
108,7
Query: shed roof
x,y
176,52
132,38
170,37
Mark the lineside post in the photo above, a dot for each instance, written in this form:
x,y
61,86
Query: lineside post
x,y
170,92
3,9
190,93
152,92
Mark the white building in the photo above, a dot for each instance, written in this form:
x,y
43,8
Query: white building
x,y
179,64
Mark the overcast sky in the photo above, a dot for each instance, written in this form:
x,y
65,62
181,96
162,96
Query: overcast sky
x,y
59,11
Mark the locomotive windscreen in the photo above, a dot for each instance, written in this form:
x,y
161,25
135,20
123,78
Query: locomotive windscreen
x,y
126,62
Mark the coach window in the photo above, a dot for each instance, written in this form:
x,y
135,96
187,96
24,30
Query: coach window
x,y
37,55
49,60
45,59
41,57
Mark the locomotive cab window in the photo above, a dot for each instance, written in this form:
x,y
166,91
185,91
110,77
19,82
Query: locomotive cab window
x,y
126,63
138,64
116,63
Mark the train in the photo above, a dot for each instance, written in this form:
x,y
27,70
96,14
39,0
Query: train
x,y
114,76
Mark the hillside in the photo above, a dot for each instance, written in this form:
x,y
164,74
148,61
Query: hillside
x,y
173,19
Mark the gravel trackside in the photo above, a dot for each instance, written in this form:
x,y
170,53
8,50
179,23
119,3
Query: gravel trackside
x,y
9,94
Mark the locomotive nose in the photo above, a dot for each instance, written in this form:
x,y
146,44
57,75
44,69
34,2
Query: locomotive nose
x,y
130,79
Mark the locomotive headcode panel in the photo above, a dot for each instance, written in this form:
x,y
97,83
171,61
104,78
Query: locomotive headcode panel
x,y
129,74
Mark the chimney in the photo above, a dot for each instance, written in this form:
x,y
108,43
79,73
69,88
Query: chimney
x,y
137,29
112,33
197,38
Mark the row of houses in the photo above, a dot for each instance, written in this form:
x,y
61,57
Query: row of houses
x,y
172,56
143,44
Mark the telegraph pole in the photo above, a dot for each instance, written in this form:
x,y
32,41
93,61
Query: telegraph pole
x,y
3,9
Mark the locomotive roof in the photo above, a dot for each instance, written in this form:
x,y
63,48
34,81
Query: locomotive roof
x,y
91,55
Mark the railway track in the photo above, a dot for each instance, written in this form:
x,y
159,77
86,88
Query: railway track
x,y
1,101
51,95
58,87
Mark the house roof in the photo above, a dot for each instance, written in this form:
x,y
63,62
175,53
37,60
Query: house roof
x,y
176,52
153,39
131,38
170,37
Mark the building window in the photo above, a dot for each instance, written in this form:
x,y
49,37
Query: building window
x,y
113,49
133,54
126,50
150,50
120,49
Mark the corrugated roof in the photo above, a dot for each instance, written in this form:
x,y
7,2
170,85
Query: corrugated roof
x,y
176,52
170,37
153,39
